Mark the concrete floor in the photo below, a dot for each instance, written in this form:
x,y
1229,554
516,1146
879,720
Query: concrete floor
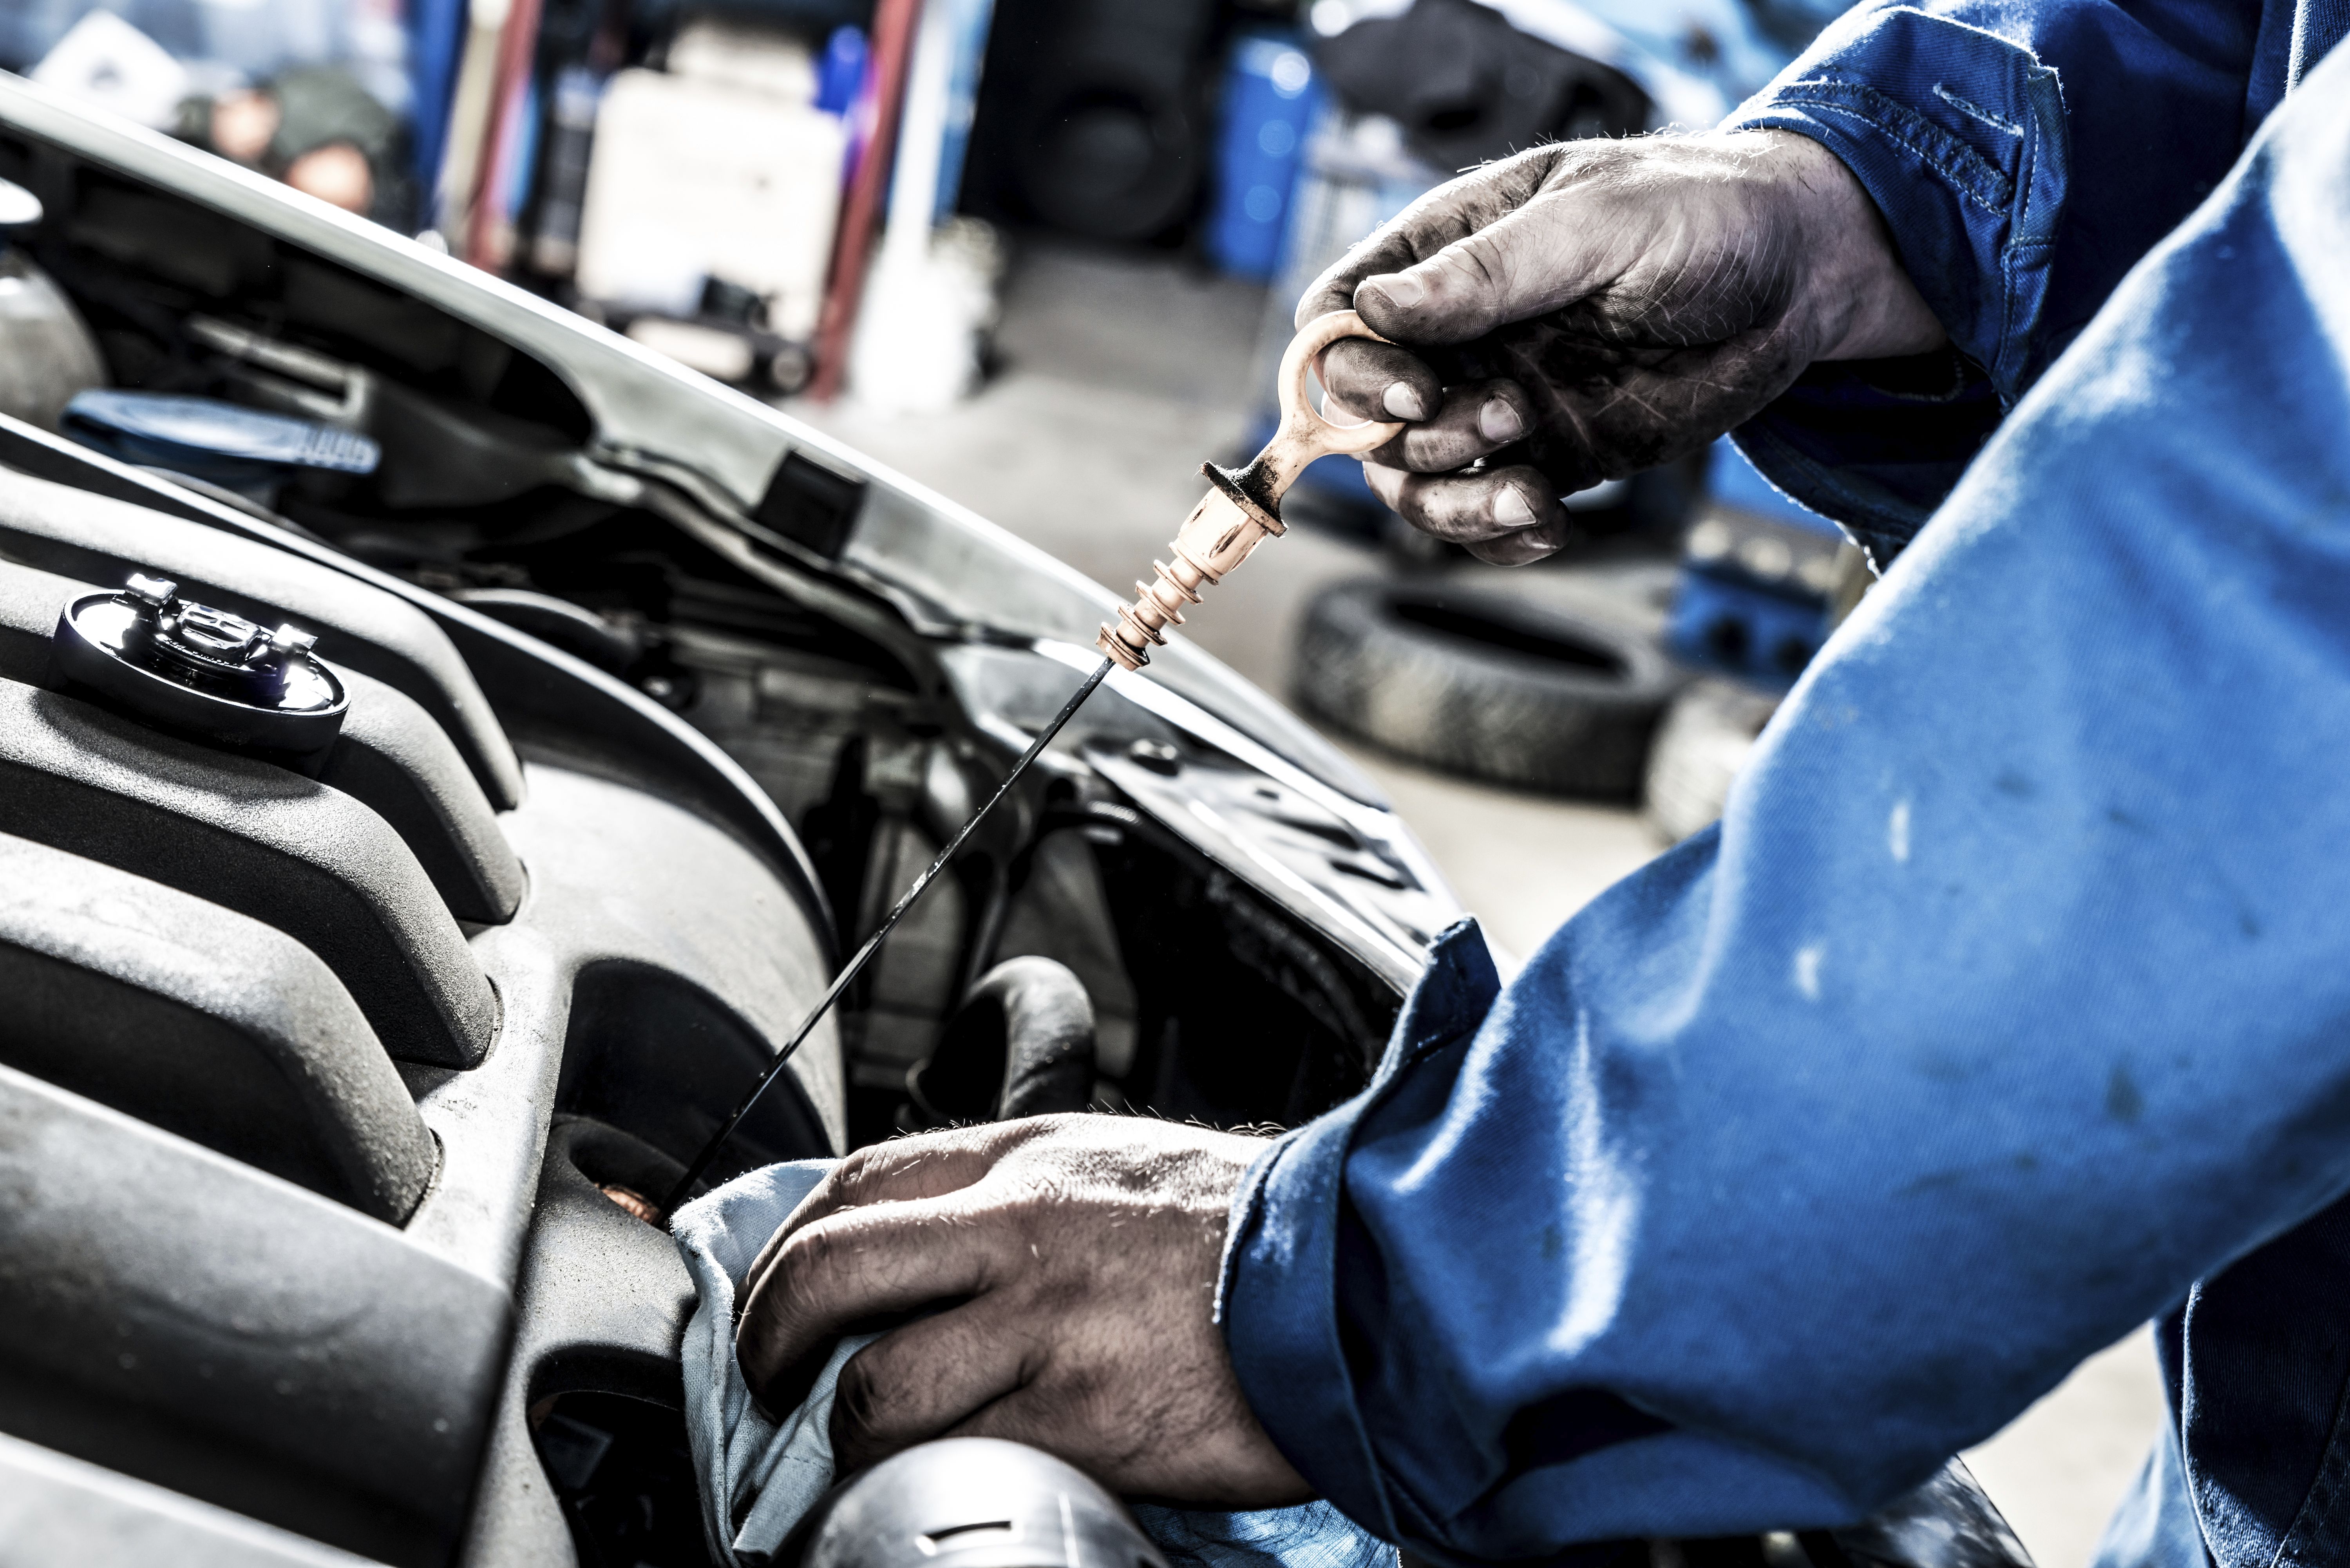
x,y
1119,379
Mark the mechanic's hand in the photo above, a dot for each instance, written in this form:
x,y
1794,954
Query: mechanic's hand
x,y
1587,309
1078,1256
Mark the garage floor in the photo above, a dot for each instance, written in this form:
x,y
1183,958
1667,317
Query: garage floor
x,y
1119,377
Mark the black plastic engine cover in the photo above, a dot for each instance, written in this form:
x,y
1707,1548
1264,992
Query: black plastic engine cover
x,y
96,540
265,842
184,1319
392,755
204,1023
529,685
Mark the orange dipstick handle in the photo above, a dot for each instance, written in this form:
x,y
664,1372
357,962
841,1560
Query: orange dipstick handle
x,y
1242,506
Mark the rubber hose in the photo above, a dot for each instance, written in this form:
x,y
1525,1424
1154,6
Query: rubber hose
x,y
1021,1044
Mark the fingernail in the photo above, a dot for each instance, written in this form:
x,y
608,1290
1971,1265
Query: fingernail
x,y
1404,403
1499,421
1511,511
1402,289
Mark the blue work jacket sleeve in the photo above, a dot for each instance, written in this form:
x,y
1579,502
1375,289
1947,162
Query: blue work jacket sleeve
x,y
2024,153
2009,998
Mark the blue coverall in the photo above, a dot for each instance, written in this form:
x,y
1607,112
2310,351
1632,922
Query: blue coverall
x,y
2009,1006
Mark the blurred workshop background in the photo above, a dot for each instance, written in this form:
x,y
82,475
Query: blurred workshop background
x,y
1040,255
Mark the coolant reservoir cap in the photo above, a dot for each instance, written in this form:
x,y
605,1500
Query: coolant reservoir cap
x,y
203,672
211,439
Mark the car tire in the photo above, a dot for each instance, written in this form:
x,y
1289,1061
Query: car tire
x,y
1486,685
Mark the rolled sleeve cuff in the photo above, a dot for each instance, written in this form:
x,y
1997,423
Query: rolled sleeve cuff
x,y
1279,1290
1959,137
1278,1298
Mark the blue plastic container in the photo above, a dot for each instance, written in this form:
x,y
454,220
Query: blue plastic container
x,y
1724,613
1724,621
1271,92
840,70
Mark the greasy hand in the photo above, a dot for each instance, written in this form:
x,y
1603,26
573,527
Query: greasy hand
x,y
1083,1251
1587,309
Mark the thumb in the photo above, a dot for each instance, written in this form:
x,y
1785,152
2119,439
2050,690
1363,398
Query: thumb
x,y
1525,262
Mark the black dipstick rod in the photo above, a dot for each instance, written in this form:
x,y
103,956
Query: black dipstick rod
x,y
1240,511
855,966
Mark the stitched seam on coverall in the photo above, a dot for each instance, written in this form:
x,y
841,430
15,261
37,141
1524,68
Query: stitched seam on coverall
x,y
1960,166
2032,230
2011,258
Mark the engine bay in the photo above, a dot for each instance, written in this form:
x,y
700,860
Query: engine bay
x,y
340,1085
345,1063
854,725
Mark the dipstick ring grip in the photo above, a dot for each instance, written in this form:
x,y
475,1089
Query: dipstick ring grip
x,y
1242,506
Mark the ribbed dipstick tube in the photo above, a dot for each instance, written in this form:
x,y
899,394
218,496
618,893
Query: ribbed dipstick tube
x,y
1242,506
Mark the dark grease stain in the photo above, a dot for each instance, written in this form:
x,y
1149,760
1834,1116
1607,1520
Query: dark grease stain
x,y
1250,485
1942,1181
1554,1246
2010,783
2121,818
2123,1102
1944,1067
2103,1277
